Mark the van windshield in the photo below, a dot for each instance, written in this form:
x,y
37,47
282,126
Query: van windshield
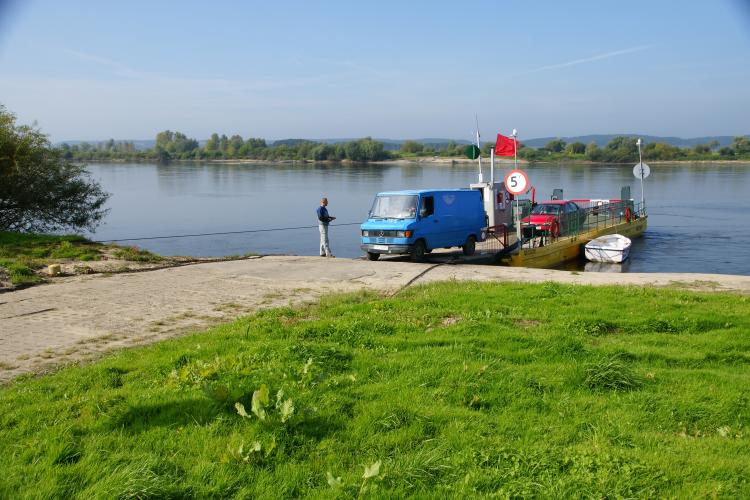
x,y
394,207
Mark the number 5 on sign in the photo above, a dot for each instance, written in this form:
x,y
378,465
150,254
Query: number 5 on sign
x,y
516,182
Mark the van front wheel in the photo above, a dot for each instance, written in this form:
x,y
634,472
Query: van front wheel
x,y
417,253
373,256
470,246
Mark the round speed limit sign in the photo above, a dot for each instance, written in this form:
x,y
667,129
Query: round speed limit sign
x,y
516,182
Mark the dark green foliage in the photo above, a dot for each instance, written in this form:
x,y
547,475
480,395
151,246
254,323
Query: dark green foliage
x,y
40,189
450,390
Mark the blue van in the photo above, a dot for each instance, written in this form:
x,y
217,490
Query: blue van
x,y
416,222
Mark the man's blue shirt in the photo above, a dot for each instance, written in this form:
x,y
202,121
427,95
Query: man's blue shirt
x,y
323,216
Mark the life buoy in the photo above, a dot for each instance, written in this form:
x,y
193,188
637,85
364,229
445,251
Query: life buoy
x,y
554,229
628,215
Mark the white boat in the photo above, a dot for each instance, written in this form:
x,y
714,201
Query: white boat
x,y
609,248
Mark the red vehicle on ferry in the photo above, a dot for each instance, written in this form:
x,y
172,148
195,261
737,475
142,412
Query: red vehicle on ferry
x,y
561,217
556,217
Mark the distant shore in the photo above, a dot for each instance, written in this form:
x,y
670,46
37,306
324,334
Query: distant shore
x,y
440,161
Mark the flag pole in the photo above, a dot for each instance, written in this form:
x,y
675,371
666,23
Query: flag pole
x,y
492,166
480,149
518,211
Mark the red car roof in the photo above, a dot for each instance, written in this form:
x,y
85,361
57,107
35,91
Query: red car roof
x,y
553,202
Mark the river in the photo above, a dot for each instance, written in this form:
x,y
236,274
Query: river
x,y
699,214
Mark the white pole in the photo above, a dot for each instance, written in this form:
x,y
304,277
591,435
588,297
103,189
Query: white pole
x,y
492,166
480,154
514,135
640,162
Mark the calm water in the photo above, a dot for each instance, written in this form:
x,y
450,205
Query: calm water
x,y
699,215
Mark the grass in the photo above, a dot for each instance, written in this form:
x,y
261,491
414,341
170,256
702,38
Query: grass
x,y
135,254
446,390
21,255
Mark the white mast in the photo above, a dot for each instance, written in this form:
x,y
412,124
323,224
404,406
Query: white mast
x,y
480,150
640,163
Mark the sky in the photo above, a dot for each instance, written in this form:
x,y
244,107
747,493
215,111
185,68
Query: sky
x,y
86,70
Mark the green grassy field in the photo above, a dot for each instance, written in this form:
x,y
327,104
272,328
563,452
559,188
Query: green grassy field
x,y
446,390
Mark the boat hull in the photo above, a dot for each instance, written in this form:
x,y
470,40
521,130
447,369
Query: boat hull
x,y
612,255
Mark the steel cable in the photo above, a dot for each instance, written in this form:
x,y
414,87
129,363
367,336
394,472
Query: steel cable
x,y
221,233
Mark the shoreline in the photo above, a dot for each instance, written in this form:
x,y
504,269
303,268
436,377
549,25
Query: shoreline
x,y
409,161
58,323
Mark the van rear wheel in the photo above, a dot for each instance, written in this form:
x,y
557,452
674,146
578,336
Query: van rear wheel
x,y
373,256
417,253
470,246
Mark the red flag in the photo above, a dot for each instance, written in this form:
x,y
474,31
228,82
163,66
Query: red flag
x,y
506,146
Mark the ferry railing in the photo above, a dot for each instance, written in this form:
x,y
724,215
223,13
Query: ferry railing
x,y
496,239
593,215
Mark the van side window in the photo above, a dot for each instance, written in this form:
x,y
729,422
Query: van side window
x,y
428,206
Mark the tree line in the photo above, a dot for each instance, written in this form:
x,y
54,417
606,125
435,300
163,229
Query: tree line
x,y
623,149
177,146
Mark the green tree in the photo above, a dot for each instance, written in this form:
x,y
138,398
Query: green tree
x,y
621,149
164,139
701,149
555,146
412,147
575,148
741,145
594,152
213,143
40,190
661,151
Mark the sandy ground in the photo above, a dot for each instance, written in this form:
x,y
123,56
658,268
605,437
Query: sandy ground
x,y
79,317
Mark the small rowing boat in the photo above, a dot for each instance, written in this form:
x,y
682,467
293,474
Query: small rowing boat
x,y
608,248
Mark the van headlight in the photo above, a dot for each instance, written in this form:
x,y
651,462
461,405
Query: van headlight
x,y
404,234
365,233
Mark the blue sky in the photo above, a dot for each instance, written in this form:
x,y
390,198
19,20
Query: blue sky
x,y
95,70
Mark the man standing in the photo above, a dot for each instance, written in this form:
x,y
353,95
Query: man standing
x,y
323,220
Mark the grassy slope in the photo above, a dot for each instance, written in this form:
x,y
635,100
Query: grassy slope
x,y
457,389
21,253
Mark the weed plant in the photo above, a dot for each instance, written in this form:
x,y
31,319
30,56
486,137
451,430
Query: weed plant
x,y
444,391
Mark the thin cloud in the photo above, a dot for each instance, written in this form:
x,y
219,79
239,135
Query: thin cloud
x,y
576,62
118,68
215,84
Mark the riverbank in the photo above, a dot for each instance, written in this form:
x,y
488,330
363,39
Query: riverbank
x,y
446,387
25,258
79,317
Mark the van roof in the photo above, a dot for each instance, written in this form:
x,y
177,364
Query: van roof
x,y
423,191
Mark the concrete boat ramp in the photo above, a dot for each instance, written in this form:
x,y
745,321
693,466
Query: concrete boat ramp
x,y
79,317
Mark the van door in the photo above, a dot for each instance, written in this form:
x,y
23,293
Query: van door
x,y
449,204
429,223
